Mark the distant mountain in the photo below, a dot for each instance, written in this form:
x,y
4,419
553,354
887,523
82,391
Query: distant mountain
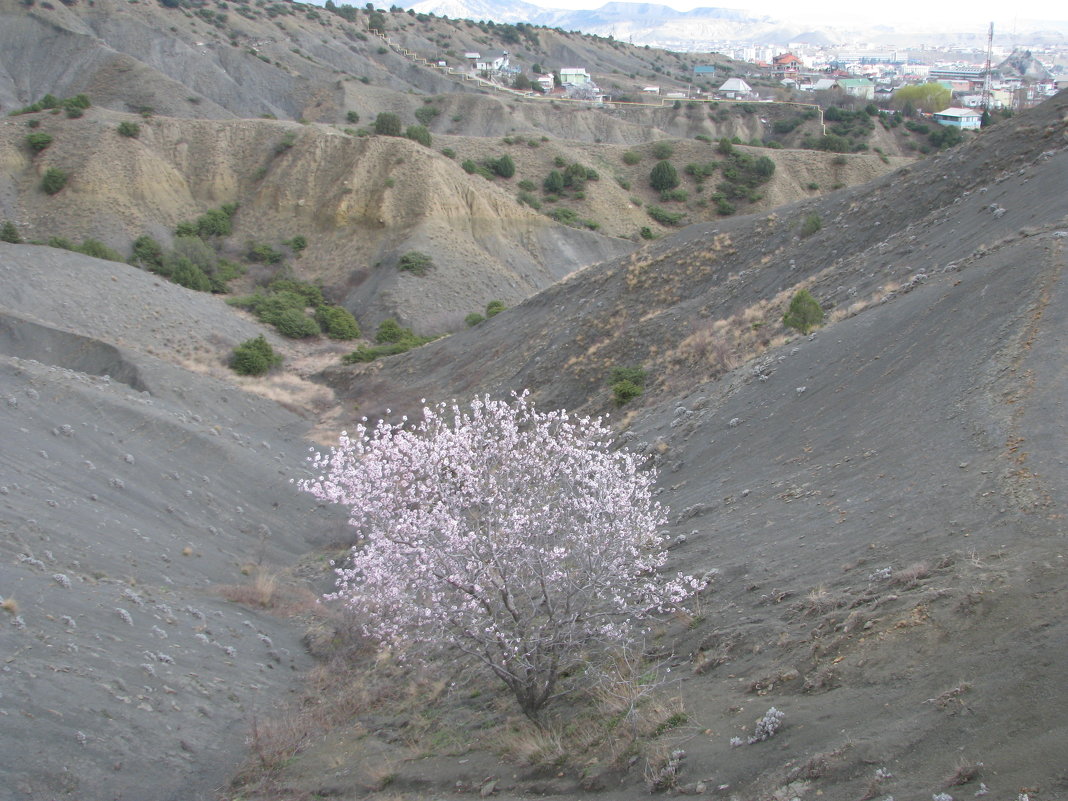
x,y
510,11
642,23
700,28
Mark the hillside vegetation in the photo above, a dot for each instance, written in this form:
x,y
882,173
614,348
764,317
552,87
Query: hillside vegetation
x,y
186,109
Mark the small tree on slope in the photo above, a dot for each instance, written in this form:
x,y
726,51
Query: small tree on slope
x,y
513,536
804,313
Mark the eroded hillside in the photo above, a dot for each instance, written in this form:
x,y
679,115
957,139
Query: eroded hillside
x,y
881,502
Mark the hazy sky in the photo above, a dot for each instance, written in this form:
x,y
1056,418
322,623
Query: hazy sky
x,y
966,16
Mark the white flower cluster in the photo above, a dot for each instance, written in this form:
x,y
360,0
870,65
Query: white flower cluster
x,y
516,536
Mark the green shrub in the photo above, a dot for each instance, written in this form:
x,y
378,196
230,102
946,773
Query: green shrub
x,y
418,133
636,375
624,391
387,124
724,207
529,199
663,150
391,339
254,357
811,225
448,152
337,323
494,307
676,195
564,215
699,172
98,250
474,318
38,141
130,129
504,166
295,324
804,313
663,216
786,126
415,262
631,157
309,294
526,185
54,180
285,143
575,176
352,117
9,233
553,183
627,383
390,331
663,176
365,353
183,272
76,106
645,232
263,253
214,222
296,244
425,114
725,147
472,168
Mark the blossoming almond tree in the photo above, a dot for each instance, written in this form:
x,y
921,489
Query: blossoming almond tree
x,y
514,536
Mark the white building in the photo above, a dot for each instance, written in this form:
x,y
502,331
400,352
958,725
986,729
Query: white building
x,y
576,76
736,87
966,119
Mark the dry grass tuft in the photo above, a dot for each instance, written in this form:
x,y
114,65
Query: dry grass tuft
x,y
965,772
911,576
951,698
819,601
261,591
269,590
533,745
10,605
272,742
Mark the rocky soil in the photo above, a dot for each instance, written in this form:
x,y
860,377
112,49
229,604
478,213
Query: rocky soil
x,y
132,493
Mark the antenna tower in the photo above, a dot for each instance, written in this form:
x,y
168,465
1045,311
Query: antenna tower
x,y
986,69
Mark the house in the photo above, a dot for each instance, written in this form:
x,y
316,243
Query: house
x,y
785,64
493,61
650,90
546,82
736,87
823,84
576,76
966,119
858,87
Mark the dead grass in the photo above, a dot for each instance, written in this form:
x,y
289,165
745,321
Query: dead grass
x,y
966,771
819,601
528,744
951,698
10,605
261,591
911,576
270,590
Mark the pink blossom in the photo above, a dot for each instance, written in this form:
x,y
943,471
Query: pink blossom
x,y
516,537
